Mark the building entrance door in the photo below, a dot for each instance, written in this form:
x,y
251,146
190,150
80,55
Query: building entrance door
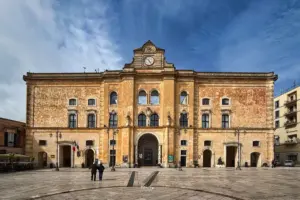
x,y
89,158
207,158
254,159
230,156
65,160
148,157
147,150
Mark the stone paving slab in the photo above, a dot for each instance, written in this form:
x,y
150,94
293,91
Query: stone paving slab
x,y
191,183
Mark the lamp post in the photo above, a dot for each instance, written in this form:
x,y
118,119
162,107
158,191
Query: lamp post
x,y
179,158
115,131
58,135
237,132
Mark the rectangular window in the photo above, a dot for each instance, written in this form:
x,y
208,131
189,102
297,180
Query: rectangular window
x,y
112,152
72,102
91,102
112,142
205,101
183,142
277,124
89,143
42,142
183,152
11,139
207,143
225,121
113,120
256,143
205,121
276,114
276,104
225,101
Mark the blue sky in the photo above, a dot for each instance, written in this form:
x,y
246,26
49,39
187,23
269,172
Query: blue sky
x,y
203,35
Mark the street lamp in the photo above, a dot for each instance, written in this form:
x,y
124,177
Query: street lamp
x,y
179,158
58,135
237,132
115,131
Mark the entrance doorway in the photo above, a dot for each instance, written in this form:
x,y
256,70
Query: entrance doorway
x,y
230,156
254,157
89,158
65,156
207,158
148,150
183,158
42,159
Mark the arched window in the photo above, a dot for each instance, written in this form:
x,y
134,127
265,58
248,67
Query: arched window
x,y
183,98
91,121
72,121
142,97
183,121
225,101
142,120
225,121
154,98
113,120
113,98
154,120
205,101
205,121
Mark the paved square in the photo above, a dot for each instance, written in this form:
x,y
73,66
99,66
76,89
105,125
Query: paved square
x,y
154,183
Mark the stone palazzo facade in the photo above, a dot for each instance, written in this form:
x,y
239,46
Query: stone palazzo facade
x,y
149,113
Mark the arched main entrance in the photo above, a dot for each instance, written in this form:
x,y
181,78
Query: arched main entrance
x,y
254,158
207,158
42,159
89,157
147,150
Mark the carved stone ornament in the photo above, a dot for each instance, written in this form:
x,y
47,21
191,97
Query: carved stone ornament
x,y
226,111
149,49
206,111
148,112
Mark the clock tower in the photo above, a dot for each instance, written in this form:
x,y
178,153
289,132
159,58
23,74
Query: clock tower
x,y
149,56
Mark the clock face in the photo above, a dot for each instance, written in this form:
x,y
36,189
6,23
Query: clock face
x,y
149,61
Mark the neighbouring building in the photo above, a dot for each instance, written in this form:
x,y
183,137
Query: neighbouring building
x,y
287,126
12,136
149,113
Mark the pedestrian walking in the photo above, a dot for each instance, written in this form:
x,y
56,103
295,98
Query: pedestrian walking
x,y
94,171
101,170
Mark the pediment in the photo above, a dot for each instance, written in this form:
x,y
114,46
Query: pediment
x,y
148,57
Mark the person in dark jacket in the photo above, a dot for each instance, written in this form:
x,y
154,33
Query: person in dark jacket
x,y
101,170
94,171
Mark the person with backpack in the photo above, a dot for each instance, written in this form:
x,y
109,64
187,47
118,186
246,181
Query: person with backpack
x,y
101,170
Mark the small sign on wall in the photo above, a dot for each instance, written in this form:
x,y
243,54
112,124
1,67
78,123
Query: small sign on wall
x,y
52,156
170,159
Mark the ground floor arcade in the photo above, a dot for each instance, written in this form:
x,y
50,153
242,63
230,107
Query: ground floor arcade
x,y
167,148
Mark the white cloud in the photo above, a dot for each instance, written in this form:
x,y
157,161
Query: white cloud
x,y
264,38
49,36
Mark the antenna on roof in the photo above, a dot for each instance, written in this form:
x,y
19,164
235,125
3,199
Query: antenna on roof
x,y
84,69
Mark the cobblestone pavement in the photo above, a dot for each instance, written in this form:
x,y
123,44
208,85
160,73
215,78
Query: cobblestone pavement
x,y
146,183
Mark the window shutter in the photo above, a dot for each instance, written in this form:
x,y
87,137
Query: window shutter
x,y
15,140
6,139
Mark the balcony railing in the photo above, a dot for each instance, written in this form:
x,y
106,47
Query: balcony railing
x,y
290,123
290,102
292,141
291,113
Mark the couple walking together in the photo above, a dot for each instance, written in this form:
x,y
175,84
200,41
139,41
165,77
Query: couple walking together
x,y
94,171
